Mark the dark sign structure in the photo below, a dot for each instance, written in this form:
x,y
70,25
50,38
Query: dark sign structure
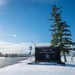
x,y
44,54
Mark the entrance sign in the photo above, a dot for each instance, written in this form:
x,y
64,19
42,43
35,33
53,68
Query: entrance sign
x,y
44,54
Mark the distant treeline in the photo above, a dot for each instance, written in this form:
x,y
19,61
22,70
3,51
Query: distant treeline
x,y
14,55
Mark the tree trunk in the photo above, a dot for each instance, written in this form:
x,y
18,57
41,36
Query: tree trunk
x,y
65,60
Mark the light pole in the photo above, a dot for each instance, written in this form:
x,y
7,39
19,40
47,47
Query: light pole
x,y
34,47
34,44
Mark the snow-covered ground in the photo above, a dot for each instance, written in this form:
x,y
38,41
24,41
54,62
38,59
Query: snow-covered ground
x,y
22,68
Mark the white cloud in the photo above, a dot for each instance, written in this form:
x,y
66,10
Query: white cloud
x,y
13,35
7,47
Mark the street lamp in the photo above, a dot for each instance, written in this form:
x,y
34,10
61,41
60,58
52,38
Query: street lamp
x,y
34,44
34,47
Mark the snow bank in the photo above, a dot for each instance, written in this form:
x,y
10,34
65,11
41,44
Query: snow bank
x,y
22,68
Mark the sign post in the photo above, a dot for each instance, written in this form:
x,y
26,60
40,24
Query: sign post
x,y
30,52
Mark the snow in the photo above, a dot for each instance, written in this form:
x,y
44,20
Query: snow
x,y
23,68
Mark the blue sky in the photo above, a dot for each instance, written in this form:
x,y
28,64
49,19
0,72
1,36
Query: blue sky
x,y
26,21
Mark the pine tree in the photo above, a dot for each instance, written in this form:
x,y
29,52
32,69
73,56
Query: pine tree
x,y
61,34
